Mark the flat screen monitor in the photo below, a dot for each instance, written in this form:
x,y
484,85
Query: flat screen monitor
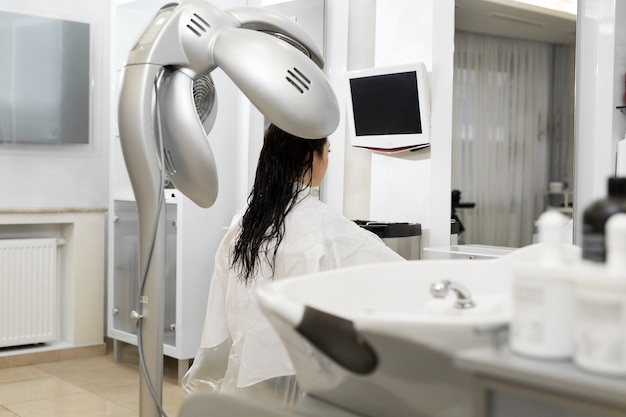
x,y
389,108
44,80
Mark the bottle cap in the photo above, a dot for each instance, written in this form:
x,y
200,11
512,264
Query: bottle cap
x,y
551,228
617,187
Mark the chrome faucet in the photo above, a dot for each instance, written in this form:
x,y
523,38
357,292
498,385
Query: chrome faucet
x,y
442,288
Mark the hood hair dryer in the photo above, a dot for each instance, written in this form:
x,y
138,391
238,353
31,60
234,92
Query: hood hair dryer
x,y
167,106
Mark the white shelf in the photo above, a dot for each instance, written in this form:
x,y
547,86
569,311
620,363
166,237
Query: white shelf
x,y
467,252
561,201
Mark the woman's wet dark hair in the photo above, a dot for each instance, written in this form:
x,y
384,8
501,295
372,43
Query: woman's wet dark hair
x,y
284,170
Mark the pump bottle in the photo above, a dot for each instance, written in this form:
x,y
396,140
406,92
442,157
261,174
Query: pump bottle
x,y
596,216
543,302
600,301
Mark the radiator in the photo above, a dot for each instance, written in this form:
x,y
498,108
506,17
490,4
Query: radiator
x,y
28,291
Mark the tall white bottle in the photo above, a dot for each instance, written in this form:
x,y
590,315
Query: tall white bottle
x,y
620,166
543,296
600,300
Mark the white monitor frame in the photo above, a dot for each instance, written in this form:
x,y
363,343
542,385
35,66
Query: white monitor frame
x,y
387,140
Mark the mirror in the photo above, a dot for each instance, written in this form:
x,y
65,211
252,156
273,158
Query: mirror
x,y
513,131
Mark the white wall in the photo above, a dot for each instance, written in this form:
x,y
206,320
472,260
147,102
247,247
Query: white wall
x,y
53,178
410,188
36,176
359,53
600,66
416,188
405,30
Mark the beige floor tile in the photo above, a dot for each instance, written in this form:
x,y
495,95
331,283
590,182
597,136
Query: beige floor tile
x,y
76,405
93,362
6,413
173,397
87,387
126,396
20,372
93,374
33,389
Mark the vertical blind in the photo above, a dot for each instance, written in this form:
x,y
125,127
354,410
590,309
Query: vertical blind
x,y
509,135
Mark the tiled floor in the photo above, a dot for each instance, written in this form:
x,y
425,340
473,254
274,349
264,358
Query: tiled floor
x,y
87,387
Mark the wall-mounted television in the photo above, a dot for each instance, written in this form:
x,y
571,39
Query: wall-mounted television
x,y
389,107
44,80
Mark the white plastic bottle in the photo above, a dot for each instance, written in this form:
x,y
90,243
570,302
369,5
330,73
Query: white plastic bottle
x,y
600,300
543,296
620,168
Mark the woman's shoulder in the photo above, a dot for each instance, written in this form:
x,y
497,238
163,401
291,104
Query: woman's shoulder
x,y
313,209
318,218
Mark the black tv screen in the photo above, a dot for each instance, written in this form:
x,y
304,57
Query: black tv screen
x,y
389,107
44,80
386,104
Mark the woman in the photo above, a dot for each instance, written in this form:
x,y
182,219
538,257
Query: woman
x,y
286,231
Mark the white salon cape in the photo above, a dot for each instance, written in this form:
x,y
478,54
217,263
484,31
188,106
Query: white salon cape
x,y
240,351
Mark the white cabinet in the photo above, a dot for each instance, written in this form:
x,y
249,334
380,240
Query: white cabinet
x,y
188,269
510,385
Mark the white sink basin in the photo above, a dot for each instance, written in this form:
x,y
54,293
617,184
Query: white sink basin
x,y
385,347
